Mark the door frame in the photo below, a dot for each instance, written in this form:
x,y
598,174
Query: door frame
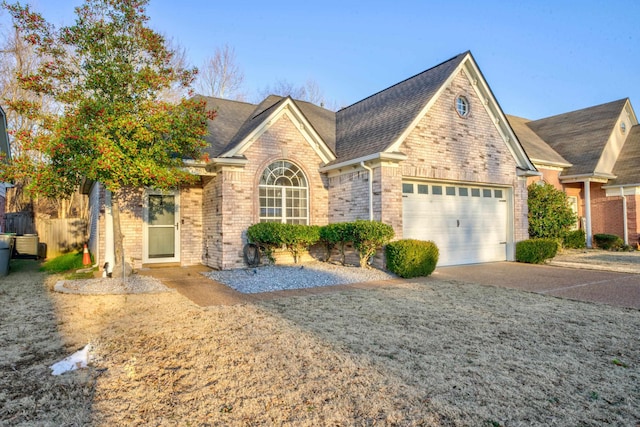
x,y
145,226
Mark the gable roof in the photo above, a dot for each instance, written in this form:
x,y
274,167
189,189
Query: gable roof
x,y
230,115
236,120
373,127
627,169
538,150
375,123
580,136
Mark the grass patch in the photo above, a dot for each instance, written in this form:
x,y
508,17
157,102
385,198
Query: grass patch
x,y
63,263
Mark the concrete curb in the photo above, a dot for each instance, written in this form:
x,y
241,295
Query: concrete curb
x,y
600,267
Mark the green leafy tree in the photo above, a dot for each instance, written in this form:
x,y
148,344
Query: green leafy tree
x,y
106,73
550,215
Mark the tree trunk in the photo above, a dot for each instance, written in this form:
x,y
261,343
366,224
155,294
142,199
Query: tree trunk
x,y
118,241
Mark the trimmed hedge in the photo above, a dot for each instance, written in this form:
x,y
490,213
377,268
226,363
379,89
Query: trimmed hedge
x,y
271,235
536,251
608,241
366,236
575,239
412,258
336,234
369,236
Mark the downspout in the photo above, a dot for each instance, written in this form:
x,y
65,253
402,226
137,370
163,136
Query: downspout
x,y
370,189
624,216
587,213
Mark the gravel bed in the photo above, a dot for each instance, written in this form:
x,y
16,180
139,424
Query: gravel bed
x,y
135,284
310,275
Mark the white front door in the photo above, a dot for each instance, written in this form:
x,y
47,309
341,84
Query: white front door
x,y
161,232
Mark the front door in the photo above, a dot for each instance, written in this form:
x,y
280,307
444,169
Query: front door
x,y
162,227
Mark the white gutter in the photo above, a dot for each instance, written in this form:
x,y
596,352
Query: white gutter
x,y
587,212
624,216
370,189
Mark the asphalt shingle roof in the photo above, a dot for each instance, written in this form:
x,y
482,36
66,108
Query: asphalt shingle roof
x,y
627,168
580,136
230,115
535,147
373,124
235,120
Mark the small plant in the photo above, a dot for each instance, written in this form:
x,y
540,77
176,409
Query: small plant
x,y
618,362
412,258
608,241
368,236
575,239
536,251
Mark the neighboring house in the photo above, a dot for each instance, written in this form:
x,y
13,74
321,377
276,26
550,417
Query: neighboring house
x,y
593,155
4,148
433,156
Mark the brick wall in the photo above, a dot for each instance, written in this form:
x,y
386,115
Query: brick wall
x,y
233,194
191,225
445,146
131,223
349,196
606,212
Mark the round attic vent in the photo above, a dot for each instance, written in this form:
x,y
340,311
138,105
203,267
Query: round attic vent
x,y
462,106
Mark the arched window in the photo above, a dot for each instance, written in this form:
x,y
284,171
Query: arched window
x,y
283,194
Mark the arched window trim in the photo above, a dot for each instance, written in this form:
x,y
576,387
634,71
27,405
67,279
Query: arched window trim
x,y
283,194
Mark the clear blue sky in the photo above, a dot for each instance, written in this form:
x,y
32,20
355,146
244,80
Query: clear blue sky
x,y
539,57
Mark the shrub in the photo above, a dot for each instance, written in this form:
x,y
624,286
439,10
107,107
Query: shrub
x,y
297,238
536,251
575,239
368,236
412,258
271,235
550,215
267,235
336,234
608,241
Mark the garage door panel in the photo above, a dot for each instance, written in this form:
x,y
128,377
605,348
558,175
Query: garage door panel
x,y
466,229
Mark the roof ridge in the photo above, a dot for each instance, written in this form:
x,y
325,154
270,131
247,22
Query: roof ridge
x,y
405,80
581,110
222,99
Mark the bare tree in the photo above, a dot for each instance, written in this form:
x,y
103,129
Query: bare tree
x,y
309,92
179,60
221,76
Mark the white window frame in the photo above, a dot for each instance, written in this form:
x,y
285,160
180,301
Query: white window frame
x,y
283,191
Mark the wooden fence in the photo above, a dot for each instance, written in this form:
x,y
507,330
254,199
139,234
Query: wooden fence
x,y
60,235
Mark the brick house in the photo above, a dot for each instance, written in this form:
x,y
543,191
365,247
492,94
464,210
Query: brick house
x,y
4,148
433,156
593,155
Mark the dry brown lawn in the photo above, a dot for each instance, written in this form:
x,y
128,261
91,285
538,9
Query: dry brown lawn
x,y
422,352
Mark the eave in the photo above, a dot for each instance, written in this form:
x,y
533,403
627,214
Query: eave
x,y
383,156
602,178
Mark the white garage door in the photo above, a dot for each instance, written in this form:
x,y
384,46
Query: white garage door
x,y
468,224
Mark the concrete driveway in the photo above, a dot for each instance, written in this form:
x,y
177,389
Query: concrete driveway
x,y
608,287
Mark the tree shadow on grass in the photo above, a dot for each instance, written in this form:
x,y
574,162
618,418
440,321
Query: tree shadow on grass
x,y
31,342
